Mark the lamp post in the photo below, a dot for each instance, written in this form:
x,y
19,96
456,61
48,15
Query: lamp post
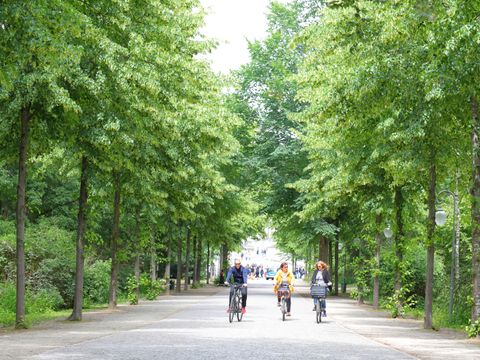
x,y
440,218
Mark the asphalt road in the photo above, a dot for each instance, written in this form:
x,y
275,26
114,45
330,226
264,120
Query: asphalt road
x,y
197,327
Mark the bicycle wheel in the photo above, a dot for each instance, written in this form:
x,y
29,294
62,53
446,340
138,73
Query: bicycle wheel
x,y
318,312
283,307
239,308
233,309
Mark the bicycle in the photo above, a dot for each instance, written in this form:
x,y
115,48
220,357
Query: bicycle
x,y
319,292
284,295
236,303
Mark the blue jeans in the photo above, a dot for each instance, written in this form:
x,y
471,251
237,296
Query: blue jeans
x,y
323,302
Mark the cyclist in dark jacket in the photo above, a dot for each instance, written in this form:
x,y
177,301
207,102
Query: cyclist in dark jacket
x,y
321,276
240,277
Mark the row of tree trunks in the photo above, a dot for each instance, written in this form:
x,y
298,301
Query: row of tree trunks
x,y
80,243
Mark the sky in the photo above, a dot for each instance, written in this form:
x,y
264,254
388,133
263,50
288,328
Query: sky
x,y
231,23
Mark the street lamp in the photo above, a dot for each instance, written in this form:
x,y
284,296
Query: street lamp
x,y
388,232
440,219
344,279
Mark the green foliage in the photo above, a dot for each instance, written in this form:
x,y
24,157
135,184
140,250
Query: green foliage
x,y
473,329
151,289
132,286
96,282
37,302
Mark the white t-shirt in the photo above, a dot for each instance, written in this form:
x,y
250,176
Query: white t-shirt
x,y
319,278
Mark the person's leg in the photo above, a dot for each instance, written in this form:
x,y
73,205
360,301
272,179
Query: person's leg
x,y
244,297
278,297
289,303
231,295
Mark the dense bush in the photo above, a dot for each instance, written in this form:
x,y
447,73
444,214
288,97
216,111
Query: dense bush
x,y
96,282
37,302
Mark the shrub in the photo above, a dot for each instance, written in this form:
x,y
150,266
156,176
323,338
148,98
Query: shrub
x,y
151,289
473,329
96,282
43,301
132,285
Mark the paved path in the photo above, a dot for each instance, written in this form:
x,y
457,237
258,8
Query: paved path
x,y
194,325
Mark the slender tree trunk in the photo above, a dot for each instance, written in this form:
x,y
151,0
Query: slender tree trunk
x,y
475,210
138,250
21,214
337,251
376,276
167,265
195,257
187,262
112,294
428,320
208,262
153,255
80,256
330,253
198,264
457,231
179,263
399,237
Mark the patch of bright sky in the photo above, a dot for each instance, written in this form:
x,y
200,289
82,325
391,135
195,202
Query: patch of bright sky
x,y
231,23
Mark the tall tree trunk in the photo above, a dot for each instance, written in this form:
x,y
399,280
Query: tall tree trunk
x,y
167,265
179,263
336,266
457,231
112,294
198,264
187,262
428,320
80,256
475,210
21,214
153,255
195,257
208,262
224,260
330,253
376,276
399,237
323,249
138,250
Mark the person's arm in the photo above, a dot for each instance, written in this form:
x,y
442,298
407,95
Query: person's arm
x,y
229,275
326,277
278,278
245,275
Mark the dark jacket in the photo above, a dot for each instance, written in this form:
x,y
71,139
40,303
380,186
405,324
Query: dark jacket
x,y
239,277
326,277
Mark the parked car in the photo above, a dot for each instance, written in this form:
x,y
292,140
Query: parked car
x,y
270,274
